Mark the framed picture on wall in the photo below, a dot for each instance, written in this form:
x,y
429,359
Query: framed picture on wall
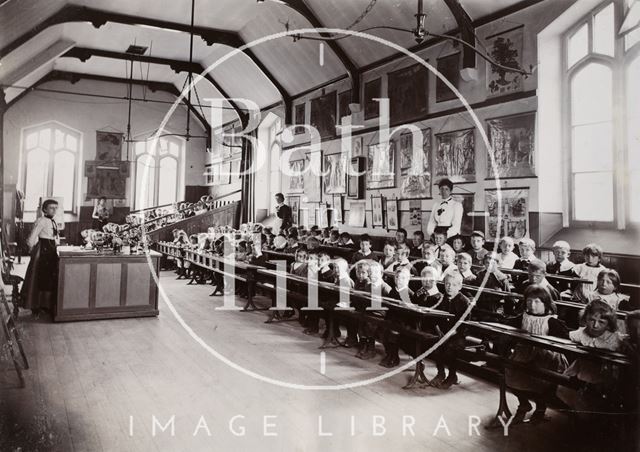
x,y
393,218
372,90
335,173
357,214
356,179
408,92
456,155
296,180
381,170
294,203
312,178
506,49
512,141
376,209
299,118
415,166
357,150
514,213
323,114
449,67
337,210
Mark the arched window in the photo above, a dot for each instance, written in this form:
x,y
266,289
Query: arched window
x,y
602,69
159,172
50,153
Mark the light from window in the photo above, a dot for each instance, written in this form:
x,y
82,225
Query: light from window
x,y
62,183
591,95
167,189
145,181
633,138
631,39
593,196
578,46
604,31
36,179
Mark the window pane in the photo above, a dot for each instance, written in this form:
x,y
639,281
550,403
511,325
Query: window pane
x,y
145,182
631,39
593,197
169,181
32,140
634,195
591,94
578,45
633,114
72,143
58,140
592,148
63,177
603,31
45,138
174,149
36,180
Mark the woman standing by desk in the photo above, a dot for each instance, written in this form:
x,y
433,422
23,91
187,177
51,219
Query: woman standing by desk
x,y
41,279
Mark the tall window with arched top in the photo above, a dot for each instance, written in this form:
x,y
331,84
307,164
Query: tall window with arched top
x,y
603,77
159,172
50,156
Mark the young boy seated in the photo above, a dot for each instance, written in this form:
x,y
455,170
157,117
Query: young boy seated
x,y
365,249
428,295
463,263
388,258
292,244
440,240
326,235
561,265
299,267
448,257
362,275
429,259
391,340
458,243
257,258
477,251
418,243
313,244
491,306
345,241
326,273
402,260
507,258
527,248
453,302
334,238
538,275
401,238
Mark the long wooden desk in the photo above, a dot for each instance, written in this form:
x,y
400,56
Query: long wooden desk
x,y
105,286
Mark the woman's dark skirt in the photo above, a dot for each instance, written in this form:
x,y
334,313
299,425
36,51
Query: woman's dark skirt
x,y
42,274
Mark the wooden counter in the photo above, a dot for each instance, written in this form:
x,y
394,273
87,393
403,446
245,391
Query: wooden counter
x,y
105,286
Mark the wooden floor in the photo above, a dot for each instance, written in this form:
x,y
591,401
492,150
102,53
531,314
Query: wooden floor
x,y
89,379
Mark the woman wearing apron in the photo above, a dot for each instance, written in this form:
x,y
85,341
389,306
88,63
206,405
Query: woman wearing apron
x,y
40,283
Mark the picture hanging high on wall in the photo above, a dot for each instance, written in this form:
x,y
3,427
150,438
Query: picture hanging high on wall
x,y
357,214
299,118
296,181
335,173
372,90
109,146
323,114
312,178
106,179
415,166
294,203
514,212
505,48
381,166
344,99
356,178
512,141
357,150
376,208
408,93
456,156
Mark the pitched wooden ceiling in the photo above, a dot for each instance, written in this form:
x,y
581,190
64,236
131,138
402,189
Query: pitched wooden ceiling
x,y
32,43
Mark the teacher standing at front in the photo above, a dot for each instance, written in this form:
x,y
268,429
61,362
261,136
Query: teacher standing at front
x,y
447,213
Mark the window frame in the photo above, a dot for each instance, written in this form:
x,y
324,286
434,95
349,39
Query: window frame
x,y
77,158
617,64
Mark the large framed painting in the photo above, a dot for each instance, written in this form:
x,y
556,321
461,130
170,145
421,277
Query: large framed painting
x,y
106,179
335,173
415,166
456,156
344,99
372,90
514,212
449,67
296,180
312,177
323,114
109,146
408,93
512,141
357,214
381,166
505,48
299,118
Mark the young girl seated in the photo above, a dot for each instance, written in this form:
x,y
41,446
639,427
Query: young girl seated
x,y
458,243
334,238
388,259
600,330
345,241
589,269
539,318
299,267
507,258
608,289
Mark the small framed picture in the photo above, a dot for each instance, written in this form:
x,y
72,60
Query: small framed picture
x,y
337,210
356,178
294,203
356,151
376,209
392,214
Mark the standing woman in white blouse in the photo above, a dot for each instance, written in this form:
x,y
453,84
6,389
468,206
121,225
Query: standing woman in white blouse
x,y
40,284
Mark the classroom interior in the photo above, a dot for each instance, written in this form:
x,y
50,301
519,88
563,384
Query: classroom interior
x,y
189,117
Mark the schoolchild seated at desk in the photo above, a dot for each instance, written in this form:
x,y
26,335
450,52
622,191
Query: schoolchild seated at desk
x,y
589,269
292,243
313,244
391,340
440,241
402,261
458,243
477,249
447,258
280,243
463,263
345,241
417,242
401,238
538,275
334,238
326,273
507,258
365,250
527,248
428,295
388,258
492,305
367,330
429,259
325,236
257,258
299,266
561,265
608,289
